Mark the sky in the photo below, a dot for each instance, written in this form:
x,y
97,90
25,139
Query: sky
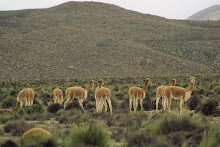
x,y
171,9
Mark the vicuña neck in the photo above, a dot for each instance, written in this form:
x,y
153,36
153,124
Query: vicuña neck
x,y
146,86
191,86
100,84
173,83
90,85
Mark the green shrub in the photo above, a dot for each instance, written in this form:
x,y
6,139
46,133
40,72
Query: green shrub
x,y
8,102
88,134
4,118
21,111
35,108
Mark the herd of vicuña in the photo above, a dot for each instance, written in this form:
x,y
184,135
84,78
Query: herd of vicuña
x,y
103,94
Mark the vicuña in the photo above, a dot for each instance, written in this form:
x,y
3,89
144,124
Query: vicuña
x,y
137,93
24,96
178,93
159,94
77,92
102,95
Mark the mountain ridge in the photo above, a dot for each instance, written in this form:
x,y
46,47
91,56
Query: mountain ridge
x,y
88,39
211,13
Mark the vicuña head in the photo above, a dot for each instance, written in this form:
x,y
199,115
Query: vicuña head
x,y
24,96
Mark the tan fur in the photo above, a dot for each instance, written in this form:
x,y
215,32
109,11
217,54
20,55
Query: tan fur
x,y
57,96
35,134
102,95
77,92
178,93
24,96
159,94
136,93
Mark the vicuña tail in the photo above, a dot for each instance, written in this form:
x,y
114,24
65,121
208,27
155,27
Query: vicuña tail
x,y
16,107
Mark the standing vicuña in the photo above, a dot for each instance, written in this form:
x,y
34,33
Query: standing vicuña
x,y
77,92
178,93
101,95
57,96
137,93
24,96
159,94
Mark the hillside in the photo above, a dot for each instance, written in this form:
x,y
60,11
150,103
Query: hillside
x,y
87,39
211,13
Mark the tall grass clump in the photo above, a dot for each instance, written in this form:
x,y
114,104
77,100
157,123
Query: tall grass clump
x,y
208,140
94,134
180,129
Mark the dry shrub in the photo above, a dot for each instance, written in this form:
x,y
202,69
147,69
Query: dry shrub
x,y
181,129
142,140
134,120
53,108
48,143
194,102
147,105
9,143
73,105
210,107
35,136
17,128
125,104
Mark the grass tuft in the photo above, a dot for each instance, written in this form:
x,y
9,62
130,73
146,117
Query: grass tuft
x,y
88,134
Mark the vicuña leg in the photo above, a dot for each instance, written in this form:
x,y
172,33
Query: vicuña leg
x,y
169,103
157,101
134,104
80,103
106,106
130,103
110,104
141,103
67,101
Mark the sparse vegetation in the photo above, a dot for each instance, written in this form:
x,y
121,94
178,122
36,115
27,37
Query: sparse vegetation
x,y
17,128
123,127
124,39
